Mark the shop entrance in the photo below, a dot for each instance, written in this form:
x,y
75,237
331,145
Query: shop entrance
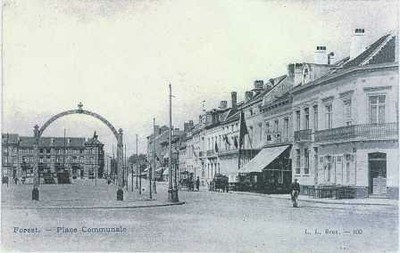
x,y
377,173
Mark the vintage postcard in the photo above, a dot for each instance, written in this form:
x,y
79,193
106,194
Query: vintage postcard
x,y
199,126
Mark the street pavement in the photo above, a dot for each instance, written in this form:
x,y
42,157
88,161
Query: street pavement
x,y
208,221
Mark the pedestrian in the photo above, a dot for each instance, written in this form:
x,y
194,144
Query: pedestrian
x,y
198,183
294,192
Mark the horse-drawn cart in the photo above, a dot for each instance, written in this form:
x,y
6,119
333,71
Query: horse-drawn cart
x,y
219,183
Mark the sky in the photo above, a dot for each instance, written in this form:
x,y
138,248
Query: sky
x,y
118,57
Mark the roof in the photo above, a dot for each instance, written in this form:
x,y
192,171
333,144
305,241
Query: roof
x,y
380,53
55,141
375,48
9,138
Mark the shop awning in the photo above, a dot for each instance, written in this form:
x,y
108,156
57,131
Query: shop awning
x,y
262,159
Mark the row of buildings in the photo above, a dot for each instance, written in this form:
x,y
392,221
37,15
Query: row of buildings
x,y
329,125
60,159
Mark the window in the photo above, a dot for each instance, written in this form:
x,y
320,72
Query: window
x,y
328,168
306,161
285,127
306,118
328,116
316,162
297,120
377,109
347,112
260,131
251,134
276,126
268,131
315,108
297,161
348,168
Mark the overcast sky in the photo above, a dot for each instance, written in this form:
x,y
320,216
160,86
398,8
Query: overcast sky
x,y
118,57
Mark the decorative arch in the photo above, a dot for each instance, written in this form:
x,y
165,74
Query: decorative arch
x,y
78,111
38,132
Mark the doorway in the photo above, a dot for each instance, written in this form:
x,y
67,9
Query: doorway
x,y
377,173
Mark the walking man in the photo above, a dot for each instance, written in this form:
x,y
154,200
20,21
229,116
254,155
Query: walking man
x,y
294,192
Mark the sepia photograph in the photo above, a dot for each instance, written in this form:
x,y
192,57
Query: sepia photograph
x,y
199,126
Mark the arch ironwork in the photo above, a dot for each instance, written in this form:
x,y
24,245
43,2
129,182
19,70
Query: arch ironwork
x,y
39,131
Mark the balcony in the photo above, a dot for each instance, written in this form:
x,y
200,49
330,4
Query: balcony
x,y
210,152
302,135
359,132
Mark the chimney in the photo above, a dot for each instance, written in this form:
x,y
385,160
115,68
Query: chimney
x,y
331,58
223,104
157,130
358,43
185,127
248,95
258,84
320,56
298,74
234,99
272,82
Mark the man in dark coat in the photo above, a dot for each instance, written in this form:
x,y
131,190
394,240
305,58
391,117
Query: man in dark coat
x,y
294,192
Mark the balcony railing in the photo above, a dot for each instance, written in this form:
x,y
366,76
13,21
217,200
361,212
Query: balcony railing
x,y
302,135
362,132
210,152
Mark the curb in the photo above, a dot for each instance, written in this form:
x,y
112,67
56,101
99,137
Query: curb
x,y
316,201
98,207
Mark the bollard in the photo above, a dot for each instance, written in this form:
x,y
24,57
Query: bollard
x,y
120,195
35,194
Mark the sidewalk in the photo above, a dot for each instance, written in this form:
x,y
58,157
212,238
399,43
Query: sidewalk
x,y
365,201
81,196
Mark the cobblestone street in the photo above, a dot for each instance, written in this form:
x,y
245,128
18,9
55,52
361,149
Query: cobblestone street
x,y
208,221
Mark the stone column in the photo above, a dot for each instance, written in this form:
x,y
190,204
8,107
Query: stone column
x,y
35,191
120,145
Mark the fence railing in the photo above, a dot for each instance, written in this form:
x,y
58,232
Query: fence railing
x,y
302,135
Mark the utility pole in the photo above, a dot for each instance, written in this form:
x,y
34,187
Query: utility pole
x,y
151,165
154,156
131,175
172,193
137,170
126,170
138,166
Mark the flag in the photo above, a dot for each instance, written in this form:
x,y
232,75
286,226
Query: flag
x,y
226,140
235,142
194,152
243,129
216,147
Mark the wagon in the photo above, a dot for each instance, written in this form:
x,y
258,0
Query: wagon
x,y
219,183
186,182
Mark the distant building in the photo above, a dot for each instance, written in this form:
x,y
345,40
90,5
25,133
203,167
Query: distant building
x,y
60,159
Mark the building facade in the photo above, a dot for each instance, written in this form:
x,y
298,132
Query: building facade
x,y
60,159
332,126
